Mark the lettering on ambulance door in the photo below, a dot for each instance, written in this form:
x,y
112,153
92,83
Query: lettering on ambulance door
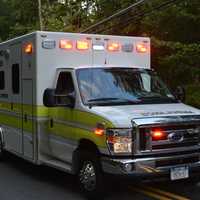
x,y
62,135
13,136
28,118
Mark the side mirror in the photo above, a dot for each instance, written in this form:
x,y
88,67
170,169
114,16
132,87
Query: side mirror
x,y
51,99
180,93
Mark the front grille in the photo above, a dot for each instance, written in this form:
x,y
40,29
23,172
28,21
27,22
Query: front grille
x,y
176,137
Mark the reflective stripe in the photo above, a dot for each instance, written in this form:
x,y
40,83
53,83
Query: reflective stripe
x,y
15,120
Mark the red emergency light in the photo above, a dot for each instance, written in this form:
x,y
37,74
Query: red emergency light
x,y
158,134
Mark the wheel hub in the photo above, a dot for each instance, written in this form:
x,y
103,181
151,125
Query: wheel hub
x,y
88,176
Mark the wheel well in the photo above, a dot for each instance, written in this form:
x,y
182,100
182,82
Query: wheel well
x,y
87,145
84,145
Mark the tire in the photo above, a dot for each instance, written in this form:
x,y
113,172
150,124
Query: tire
x,y
90,176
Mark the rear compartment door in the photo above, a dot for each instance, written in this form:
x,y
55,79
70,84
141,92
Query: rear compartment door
x,y
13,135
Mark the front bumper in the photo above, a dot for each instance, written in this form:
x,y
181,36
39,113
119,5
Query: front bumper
x,y
151,166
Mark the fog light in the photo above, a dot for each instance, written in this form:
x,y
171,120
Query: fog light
x,y
128,167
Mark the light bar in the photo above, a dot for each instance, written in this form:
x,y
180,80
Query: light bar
x,y
82,45
113,46
66,44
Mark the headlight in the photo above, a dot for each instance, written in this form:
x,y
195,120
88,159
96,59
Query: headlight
x,y
119,141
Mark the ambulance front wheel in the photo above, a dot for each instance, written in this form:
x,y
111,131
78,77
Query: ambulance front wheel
x,y
90,176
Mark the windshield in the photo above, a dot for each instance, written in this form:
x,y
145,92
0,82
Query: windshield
x,y
116,86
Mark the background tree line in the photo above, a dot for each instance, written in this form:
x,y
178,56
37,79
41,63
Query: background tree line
x,y
175,30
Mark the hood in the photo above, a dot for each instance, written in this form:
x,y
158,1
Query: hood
x,y
121,116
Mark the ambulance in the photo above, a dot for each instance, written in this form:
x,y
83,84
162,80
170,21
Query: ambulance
x,y
91,105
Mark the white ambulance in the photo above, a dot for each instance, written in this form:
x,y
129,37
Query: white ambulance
x,y
91,105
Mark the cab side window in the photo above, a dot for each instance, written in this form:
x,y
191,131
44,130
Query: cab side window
x,y
65,84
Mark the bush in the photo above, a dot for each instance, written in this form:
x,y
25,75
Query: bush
x,y
193,95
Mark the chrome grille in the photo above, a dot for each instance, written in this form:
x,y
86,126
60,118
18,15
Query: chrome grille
x,y
177,136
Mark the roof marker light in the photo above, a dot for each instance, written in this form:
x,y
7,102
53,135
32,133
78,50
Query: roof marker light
x,y
28,48
113,46
66,44
82,45
141,48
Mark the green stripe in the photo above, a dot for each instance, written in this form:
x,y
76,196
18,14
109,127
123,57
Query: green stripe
x,y
75,133
16,122
81,118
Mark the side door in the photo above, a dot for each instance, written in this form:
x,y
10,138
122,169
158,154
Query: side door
x,y
13,136
62,138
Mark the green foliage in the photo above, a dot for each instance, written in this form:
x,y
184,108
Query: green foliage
x,y
178,64
193,95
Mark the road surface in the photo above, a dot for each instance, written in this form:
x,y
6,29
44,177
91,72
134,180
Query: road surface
x,y
20,180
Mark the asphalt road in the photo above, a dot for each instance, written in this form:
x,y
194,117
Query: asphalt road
x,y
20,180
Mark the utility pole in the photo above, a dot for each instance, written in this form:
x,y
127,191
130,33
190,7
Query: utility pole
x,y
40,14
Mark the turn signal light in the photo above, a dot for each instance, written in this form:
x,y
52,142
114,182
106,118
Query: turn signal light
x,y
82,45
114,46
141,48
99,131
158,135
66,44
28,48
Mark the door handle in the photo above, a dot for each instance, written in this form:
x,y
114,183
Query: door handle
x,y
25,117
51,123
